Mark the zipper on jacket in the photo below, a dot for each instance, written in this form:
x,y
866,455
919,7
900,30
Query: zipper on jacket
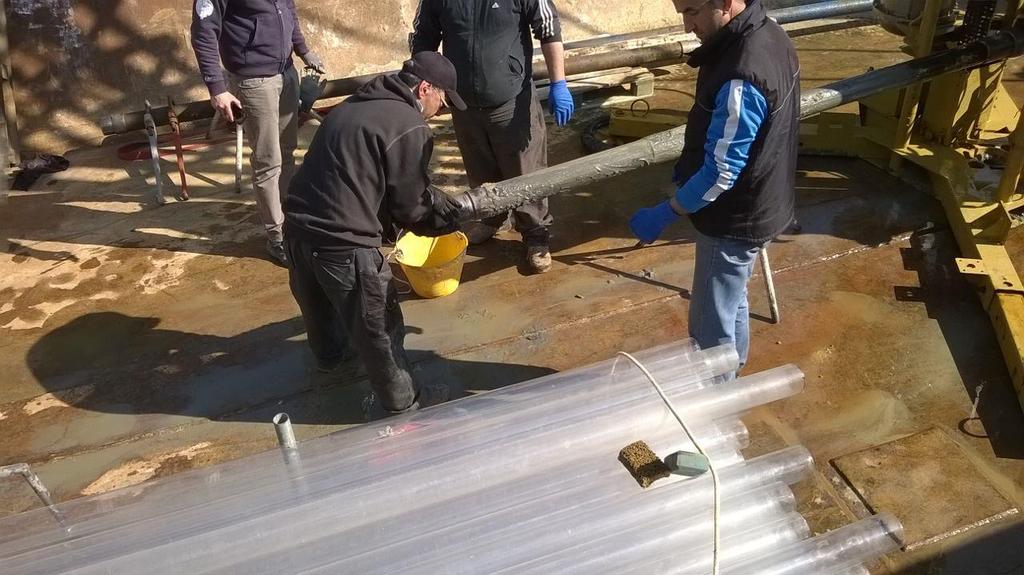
x,y
284,41
472,53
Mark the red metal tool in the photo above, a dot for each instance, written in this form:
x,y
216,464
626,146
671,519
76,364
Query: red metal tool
x,y
172,119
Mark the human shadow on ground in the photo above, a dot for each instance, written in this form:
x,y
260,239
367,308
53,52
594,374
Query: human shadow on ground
x,y
109,362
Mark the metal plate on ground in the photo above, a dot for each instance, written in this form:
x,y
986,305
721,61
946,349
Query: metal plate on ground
x,y
924,479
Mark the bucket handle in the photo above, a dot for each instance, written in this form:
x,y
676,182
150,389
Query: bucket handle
x,y
390,257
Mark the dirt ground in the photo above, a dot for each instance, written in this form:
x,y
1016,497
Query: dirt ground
x,y
138,341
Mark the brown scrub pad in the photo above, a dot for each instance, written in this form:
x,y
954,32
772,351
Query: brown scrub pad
x,y
643,464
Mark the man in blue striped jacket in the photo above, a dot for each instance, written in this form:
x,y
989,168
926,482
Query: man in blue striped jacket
x,y
736,173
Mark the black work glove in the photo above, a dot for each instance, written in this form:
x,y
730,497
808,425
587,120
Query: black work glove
x,y
443,219
445,207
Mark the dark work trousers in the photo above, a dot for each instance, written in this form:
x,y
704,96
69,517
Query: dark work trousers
x,y
349,299
504,142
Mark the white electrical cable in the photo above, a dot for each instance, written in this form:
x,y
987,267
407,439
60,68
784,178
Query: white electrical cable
x,y
700,450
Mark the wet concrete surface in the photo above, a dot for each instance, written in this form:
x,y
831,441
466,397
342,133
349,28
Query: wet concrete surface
x,y
136,341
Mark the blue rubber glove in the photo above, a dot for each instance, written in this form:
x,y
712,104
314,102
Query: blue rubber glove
x,y
648,223
560,102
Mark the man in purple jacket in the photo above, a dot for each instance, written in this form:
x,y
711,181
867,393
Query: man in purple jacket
x,y
254,39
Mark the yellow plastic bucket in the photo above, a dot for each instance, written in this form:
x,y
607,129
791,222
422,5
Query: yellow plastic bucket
x,y
433,265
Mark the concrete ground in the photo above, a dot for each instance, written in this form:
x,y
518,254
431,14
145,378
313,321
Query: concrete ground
x,y
141,341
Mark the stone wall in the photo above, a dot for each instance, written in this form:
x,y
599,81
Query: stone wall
x,y
77,60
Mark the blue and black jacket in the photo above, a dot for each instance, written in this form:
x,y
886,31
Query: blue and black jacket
x,y
738,166
253,38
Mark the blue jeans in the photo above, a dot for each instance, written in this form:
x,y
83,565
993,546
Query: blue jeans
x,y
719,313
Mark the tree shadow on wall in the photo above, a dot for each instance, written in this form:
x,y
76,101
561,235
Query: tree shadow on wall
x,y
78,60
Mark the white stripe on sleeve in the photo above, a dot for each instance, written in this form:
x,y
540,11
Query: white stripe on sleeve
x,y
725,175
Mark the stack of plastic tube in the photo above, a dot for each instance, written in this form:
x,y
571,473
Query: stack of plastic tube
x,y
525,479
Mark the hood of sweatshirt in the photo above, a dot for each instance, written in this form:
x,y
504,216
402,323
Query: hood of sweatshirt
x,y
386,87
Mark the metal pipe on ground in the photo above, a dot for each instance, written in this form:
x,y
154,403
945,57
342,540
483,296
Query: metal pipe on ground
x,y
640,56
500,197
36,484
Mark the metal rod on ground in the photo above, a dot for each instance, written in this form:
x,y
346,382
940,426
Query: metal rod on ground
x,y
238,157
574,64
500,197
36,484
769,284
154,154
179,155
286,440
285,434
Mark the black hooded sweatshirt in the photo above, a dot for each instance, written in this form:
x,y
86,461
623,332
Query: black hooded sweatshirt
x,y
365,173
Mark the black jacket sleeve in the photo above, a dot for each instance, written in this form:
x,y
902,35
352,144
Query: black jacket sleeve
x,y
408,191
207,16
426,29
544,20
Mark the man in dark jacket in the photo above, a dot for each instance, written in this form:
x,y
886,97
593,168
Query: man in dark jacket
x,y
254,39
736,173
502,134
364,176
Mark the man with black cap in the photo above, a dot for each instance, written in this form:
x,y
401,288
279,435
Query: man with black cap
x,y
364,177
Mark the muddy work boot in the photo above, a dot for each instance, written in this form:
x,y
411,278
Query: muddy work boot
x,y
538,258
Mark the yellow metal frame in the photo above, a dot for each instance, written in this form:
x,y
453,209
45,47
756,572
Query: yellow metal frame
x,y
944,126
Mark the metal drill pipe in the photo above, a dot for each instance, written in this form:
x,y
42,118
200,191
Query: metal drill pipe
x,y
500,197
819,10
647,55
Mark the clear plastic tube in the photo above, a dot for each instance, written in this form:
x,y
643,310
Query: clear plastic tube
x,y
209,538
756,542
487,414
679,558
483,417
390,478
600,507
285,535
220,513
858,570
846,547
675,529
581,484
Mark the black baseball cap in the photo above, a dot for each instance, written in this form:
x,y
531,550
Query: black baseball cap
x,y
438,71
